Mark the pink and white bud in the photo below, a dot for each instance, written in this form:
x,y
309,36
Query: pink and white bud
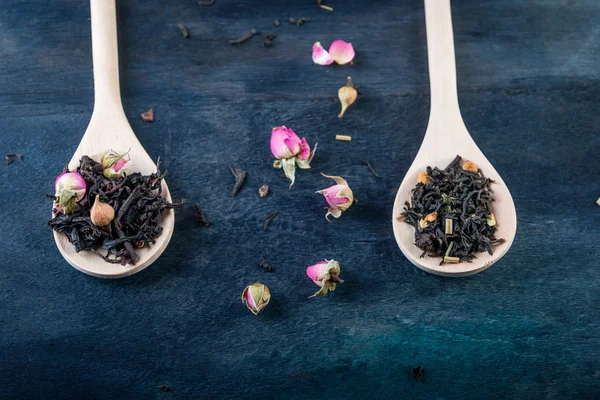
x,y
290,151
69,188
113,163
256,297
339,197
325,274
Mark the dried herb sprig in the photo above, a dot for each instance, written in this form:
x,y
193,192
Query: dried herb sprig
x,y
462,194
138,204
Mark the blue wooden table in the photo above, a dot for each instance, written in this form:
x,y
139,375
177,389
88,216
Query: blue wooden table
x,y
529,86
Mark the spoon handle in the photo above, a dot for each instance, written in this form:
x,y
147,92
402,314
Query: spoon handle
x,y
440,53
107,95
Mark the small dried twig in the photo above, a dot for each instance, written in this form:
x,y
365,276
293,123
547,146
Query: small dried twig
x,y
371,168
299,21
148,116
276,22
206,3
183,30
263,190
244,38
323,6
270,218
240,176
10,156
266,266
343,138
200,216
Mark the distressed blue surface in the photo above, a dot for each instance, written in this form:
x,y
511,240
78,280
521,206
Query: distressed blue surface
x,y
529,86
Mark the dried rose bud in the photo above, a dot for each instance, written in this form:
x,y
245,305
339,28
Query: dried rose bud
x,y
339,197
325,275
256,297
290,151
347,95
69,189
113,163
101,214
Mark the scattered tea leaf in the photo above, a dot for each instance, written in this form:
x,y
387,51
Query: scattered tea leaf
x,y
164,388
10,156
183,30
368,164
244,38
299,21
270,218
206,3
270,36
239,175
200,216
418,372
263,190
266,266
148,116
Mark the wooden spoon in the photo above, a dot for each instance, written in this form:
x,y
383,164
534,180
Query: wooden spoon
x,y
446,137
109,129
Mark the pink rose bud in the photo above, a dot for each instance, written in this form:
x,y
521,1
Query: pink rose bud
x,y
69,189
325,275
290,151
339,197
256,297
113,163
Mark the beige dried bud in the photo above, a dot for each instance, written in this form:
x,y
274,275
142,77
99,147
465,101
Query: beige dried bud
x,y
347,95
101,214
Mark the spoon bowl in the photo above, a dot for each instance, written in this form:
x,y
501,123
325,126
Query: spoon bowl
x,y
109,129
446,137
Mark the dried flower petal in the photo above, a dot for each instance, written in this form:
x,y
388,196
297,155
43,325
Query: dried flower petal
x,y
347,95
325,275
320,55
256,297
342,52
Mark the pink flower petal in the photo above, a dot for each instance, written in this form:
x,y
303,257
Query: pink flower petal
x,y
304,149
341,52
331,194
278,146
317,272
119,164
320,55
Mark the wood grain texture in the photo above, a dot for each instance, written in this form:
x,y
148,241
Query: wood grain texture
x,y
528,85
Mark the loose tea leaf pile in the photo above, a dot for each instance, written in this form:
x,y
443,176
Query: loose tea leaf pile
x,y
451,212
137,202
